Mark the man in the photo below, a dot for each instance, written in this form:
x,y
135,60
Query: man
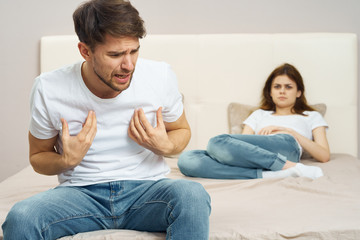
x,y
102,125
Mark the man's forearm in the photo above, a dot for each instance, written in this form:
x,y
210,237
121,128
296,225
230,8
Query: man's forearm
x,y
180,138
48,163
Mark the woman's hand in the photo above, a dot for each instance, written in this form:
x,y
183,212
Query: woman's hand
x,y
275,130
317,148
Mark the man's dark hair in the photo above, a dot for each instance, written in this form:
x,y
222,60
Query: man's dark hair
x,y
96,18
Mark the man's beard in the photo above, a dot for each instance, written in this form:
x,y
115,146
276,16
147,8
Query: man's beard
x,y
109,83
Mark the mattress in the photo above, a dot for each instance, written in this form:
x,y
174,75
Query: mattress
x,y
289,208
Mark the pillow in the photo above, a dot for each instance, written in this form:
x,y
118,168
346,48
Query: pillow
x,y
237,113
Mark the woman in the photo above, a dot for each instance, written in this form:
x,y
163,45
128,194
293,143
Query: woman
x,y
272,140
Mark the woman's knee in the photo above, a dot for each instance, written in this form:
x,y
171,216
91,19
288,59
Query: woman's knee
x,y
218,147
217,142
189,162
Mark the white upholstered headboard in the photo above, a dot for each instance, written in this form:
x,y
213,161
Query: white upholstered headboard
x,y
214,70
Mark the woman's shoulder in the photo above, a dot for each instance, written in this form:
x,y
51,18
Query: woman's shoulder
x,y
312,114
315,119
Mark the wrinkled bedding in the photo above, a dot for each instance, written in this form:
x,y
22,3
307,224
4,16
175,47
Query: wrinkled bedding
x,y
291,208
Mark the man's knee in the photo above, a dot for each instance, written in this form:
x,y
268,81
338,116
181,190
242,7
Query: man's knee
x,y
20,222
192,197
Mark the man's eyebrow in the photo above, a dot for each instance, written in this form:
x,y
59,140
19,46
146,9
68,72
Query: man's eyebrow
x,y
123,52
137,49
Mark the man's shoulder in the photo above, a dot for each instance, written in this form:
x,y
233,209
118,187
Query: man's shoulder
x,y
61,78
65,70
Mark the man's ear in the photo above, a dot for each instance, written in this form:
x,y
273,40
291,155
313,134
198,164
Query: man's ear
x,y
84,50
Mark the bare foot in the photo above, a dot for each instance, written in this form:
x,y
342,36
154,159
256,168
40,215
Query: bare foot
x,y
288,164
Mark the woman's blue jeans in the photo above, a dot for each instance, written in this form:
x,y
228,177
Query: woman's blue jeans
x,y
181,208
240,156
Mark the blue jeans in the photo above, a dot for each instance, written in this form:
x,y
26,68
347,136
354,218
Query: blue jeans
x,y
179,207
240,156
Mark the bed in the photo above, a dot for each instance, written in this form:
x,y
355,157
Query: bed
x,y
221,77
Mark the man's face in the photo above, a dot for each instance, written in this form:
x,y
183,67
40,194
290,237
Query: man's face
x,y
114,61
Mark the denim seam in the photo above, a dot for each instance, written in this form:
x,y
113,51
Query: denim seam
x,y
296,146
259,173
65,219
158,201
112,198
154,201
296,143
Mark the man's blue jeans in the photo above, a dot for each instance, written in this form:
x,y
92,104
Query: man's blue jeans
x,y
240,156
179,207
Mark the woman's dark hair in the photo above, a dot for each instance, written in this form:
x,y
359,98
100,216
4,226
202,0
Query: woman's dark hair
x,y
96,18
301,104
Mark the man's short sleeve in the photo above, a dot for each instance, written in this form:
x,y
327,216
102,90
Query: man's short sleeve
x,y
40,124
172,102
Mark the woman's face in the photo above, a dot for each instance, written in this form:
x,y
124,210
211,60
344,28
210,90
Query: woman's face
x,y
284,92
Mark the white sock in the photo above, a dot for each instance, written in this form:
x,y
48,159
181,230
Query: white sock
x,y
280,174
300,170
308,171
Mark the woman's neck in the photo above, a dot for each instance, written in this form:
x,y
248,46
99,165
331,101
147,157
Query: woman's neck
x,y
284,111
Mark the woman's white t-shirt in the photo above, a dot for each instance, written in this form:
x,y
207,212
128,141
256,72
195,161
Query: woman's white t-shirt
x,y
303,124
113,155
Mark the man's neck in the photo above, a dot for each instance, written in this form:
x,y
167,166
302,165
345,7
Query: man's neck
x,y
94,84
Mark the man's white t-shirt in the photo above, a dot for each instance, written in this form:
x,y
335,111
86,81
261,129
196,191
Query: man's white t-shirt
x,y
303,124
113,155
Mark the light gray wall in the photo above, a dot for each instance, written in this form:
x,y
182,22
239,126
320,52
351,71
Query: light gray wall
x,y
24,22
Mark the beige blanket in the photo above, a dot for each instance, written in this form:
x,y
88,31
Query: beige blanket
x,y
292,208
